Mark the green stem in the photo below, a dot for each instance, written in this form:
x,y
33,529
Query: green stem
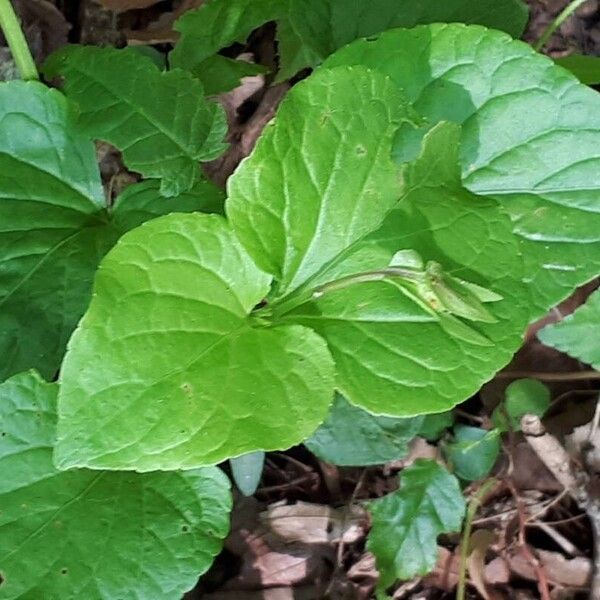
x,y
562,17
302,297
466,537
9,23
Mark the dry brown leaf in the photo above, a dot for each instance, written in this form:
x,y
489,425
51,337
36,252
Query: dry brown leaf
x,y
308,523
496,572
445,574
574,572
480,542
280,593
161,31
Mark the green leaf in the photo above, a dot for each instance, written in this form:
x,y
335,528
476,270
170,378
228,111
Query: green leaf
x,y
328,25
320,177
585,68
309,30
523,397
381,337
56,226
577,334
351,436
218,24
406,523
530,137
91,534
473,452
167,370
434,425
220,74
247,471
161,121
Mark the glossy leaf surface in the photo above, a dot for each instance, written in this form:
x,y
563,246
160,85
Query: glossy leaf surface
x,y
406,523
160,120
94,534
167,370
529,138
55,225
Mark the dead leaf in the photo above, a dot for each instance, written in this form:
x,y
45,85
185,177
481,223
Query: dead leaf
x,y
530,473
280,593
497,572
445,574
315,523
479,543
574,572
161,31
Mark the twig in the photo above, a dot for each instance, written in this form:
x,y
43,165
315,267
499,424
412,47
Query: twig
x,y
542,376
542,580
341,543
555,457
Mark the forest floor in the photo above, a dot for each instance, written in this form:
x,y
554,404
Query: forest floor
x,y
302,535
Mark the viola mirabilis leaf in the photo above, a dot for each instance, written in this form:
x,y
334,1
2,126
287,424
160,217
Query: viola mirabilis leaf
x,y
544,169
96,534
168,369
310,30
577,334
406,523
161,121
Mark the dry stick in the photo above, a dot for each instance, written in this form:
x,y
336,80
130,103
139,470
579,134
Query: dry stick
x,y
555,457
542,580
574,376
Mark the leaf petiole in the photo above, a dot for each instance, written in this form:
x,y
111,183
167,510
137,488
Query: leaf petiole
x,y
9,23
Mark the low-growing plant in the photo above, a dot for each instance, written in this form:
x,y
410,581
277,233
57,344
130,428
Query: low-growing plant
x,y
418,200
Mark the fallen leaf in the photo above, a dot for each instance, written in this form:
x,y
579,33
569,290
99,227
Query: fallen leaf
x,y
315,523
160,31
479,543
280,593
574,572
497,572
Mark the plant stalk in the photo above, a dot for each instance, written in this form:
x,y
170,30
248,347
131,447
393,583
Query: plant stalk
x,y
9,23
474,505
560,19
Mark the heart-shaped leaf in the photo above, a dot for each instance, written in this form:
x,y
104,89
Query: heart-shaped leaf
x,y
380,337
530,138
578,333
93,534
160,120
315,185
407,522
351,436
309,30
56,226
167,369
